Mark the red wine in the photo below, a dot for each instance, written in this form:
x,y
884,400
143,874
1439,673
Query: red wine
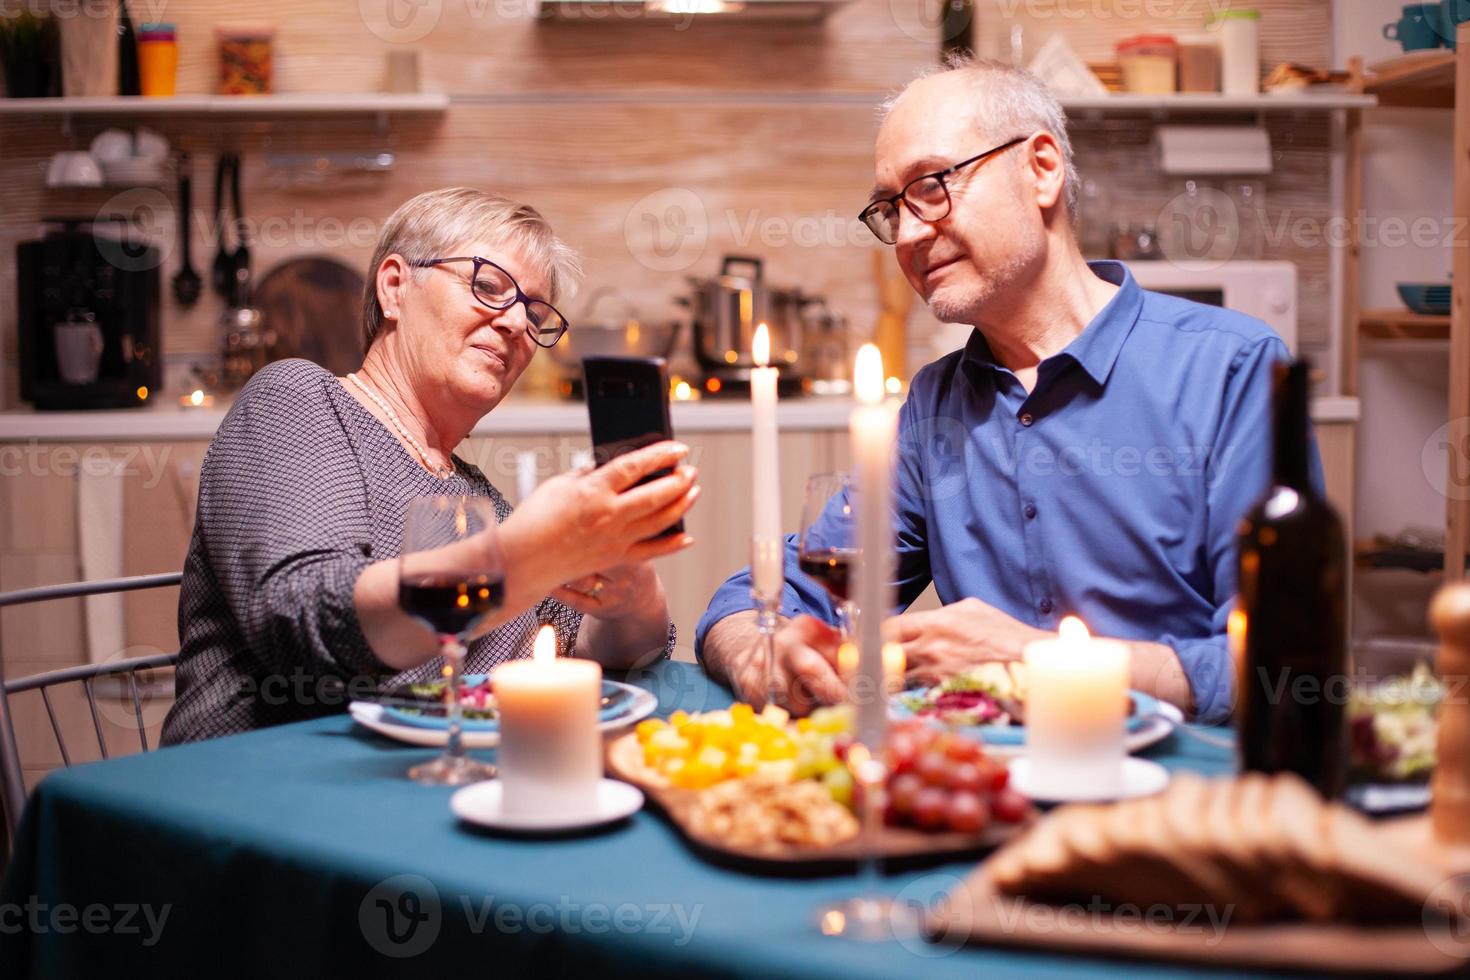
x,y
832,567
451,606
1292,681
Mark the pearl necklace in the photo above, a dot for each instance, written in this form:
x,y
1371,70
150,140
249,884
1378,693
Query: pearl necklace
x,y
443,473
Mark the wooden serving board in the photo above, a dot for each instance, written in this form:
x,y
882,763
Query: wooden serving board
x,y
625,762
978,913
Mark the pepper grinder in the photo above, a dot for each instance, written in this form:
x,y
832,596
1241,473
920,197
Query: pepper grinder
x,y
1450,809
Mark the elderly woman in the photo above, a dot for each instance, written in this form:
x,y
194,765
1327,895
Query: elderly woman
x,y
289,598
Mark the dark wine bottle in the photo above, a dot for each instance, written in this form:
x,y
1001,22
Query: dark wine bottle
x,y
1292,613
129,80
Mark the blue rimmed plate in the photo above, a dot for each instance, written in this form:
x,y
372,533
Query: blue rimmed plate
x,y
618,698
1150,721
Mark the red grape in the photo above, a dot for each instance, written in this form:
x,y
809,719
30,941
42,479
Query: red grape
x,y
931,806
1000,780
963,749
932,767
967,813
1009,806
967,777
902,790
902,751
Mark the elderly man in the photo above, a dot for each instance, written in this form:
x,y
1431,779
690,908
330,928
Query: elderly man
x,y
1090,449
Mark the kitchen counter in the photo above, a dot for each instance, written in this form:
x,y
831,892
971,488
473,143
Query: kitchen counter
x,y
518,415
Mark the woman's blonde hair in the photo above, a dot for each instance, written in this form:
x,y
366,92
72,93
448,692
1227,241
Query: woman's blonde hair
x,y
427,226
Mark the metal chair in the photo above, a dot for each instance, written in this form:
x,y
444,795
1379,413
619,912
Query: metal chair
x,y
12,783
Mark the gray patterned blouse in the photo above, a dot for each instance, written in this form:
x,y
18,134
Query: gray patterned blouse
x,y
303,488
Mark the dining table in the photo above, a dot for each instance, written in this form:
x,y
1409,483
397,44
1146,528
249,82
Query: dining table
x,y
303,849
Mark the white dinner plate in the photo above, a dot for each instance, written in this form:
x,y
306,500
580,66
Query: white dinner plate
x,y
481,804
370,715
1154,728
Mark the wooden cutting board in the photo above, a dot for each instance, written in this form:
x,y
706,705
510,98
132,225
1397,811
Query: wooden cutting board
x,y
978,913
625,762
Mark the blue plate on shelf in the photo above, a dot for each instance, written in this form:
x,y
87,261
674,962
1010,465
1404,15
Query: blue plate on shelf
x,y
617,701
1145,709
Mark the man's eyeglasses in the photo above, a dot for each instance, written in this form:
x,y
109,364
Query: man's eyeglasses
x,y
926,197
492,286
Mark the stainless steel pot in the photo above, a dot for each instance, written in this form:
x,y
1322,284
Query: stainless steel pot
x,y
604,335
726,309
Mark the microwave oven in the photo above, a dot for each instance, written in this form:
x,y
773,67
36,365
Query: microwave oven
x,y
1264,290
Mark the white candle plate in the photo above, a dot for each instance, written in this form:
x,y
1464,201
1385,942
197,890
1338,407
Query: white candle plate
x,y
1141,777
483,805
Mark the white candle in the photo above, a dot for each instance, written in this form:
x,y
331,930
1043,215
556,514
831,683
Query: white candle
x,y
550,748
1076,708
767,549
872,429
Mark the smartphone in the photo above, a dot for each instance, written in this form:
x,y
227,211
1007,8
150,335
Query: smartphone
x,y
628,408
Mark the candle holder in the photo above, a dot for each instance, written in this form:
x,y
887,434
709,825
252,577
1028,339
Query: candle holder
x,y
767,617
870,916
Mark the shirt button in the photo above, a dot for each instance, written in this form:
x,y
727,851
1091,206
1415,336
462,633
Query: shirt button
x,y
1026,418
1045,606
1029,511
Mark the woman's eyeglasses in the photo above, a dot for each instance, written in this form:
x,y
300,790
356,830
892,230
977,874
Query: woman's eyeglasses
x,y
926,197
497,289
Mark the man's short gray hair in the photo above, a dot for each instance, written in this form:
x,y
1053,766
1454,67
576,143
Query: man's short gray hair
x,y
427,226
1010,102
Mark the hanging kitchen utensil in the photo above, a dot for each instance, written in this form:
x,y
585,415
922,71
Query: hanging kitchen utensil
x,y
242,242
186,283
230,274
222,270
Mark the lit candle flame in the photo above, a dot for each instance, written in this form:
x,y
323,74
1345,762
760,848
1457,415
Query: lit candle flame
x,y
858,756
196,397
1073,630
760,346
867,374
543,651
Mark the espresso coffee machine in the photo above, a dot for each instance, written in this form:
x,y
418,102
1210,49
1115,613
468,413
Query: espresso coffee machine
x,y
89,301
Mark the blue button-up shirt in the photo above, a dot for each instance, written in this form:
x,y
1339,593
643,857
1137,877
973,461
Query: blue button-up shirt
x,y
1110,491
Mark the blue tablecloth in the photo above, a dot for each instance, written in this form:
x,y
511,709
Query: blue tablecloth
x,y
303,850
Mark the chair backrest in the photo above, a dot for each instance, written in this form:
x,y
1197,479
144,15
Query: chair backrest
x,y
12,782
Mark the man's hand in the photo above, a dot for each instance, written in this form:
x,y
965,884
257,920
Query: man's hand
x,y
806,661
940,643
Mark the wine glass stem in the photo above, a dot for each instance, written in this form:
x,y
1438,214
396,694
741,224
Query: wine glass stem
x,y
871,827
767,616
453,657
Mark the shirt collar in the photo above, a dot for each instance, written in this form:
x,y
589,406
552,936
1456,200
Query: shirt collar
x,y
1096,349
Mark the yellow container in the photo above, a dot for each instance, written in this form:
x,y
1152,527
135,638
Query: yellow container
x,y
158,60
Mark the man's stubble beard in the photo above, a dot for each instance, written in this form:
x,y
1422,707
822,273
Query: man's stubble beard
x,y
988,284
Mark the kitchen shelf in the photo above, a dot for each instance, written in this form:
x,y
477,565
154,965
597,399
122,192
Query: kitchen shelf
x,y
1423,81
1121,103
1403,325
1212,102
287,104
1429,80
